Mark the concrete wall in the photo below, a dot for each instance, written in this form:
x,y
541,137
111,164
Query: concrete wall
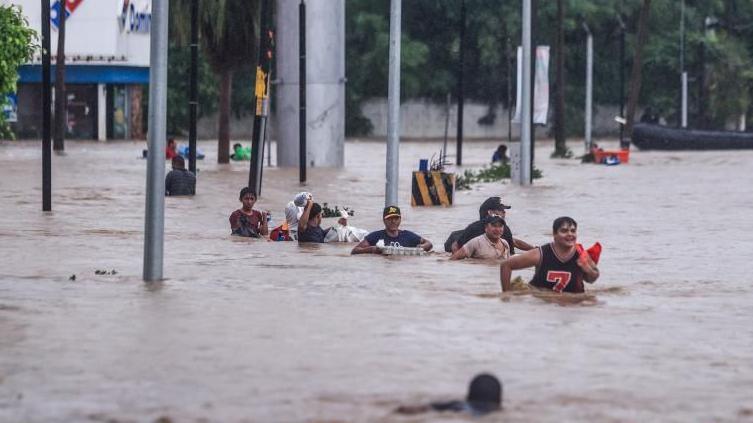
x,y
422,119
426,119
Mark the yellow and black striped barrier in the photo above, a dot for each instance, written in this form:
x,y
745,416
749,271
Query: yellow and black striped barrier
x,y
432,188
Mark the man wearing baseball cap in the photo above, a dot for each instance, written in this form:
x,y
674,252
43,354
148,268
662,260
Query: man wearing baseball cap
x,y
391,235
492,206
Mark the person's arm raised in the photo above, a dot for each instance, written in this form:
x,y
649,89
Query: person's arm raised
x,y
303,222
519,261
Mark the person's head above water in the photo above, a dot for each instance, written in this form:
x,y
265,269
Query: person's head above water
x,y
247,196
565,231
494,226
391,217
316,214
492,205
178,162
237,146
484,394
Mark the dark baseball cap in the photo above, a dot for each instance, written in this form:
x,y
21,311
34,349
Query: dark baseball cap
x,y
390,211
493,219
492,203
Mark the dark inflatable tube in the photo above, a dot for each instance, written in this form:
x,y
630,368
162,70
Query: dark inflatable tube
x,y
657,137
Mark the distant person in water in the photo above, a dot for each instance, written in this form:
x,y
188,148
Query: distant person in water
x,y
391,235
500,155
484,396
246,221
171,150
560,267
240,153
488,245
309,225
179,181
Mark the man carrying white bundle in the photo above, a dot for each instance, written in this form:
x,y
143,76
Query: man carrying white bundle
x,y
293,212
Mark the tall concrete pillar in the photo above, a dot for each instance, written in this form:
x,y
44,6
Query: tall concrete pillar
x,y
325,77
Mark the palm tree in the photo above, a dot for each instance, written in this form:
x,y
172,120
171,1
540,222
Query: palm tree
x,y
635,75
229,34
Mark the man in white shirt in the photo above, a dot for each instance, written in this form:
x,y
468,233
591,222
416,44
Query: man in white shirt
x,y
488,245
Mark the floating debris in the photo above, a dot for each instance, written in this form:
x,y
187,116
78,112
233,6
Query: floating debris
x,y
72,277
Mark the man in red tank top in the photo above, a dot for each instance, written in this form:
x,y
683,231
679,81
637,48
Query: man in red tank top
x,y
560,267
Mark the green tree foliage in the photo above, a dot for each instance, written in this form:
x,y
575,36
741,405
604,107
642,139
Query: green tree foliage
x,y
229,37
430,54
17,45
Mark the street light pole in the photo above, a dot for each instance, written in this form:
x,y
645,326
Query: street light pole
x,y
154,226
46,113
393,106
684,74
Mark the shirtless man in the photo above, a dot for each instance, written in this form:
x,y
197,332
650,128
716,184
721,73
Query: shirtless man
x,y
559,265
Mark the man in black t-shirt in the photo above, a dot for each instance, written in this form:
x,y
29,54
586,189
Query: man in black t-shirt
x,y
560,266
391,235
492,206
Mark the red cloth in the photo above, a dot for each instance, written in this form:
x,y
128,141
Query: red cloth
x,y
169,154
593,251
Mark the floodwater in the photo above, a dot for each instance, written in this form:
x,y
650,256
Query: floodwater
x,y
243,330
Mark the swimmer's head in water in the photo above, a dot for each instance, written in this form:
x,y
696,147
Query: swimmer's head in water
x,y
237,146
484,394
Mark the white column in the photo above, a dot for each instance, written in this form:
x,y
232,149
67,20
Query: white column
x,y
325,75
101,112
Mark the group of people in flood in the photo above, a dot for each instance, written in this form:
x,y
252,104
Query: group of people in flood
x,y
562,265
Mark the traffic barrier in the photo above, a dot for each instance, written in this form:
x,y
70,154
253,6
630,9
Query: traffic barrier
x,y
432,188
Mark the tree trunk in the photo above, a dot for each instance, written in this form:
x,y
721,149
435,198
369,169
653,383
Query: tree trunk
x,y
560,148
223,135
635,75
136,92
61,113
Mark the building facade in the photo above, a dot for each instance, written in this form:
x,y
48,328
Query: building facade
x,y
107,68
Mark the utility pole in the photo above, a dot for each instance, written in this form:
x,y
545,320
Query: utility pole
x,y
589,84
46,112
393,106
261,97
526,102
302,92
193,102
683,73
461,94
154,227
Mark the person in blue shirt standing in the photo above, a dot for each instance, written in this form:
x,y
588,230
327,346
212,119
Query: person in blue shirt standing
x,y
391,235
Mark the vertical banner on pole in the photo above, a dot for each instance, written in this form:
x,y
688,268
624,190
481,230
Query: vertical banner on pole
x,y
541,89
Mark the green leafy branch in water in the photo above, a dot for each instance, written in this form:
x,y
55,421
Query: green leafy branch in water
x,y
495,172
328,212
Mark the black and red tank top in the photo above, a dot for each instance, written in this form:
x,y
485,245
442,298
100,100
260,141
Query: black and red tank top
x,y
560,274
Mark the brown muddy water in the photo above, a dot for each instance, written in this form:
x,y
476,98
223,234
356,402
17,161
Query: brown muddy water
x,y
263,332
